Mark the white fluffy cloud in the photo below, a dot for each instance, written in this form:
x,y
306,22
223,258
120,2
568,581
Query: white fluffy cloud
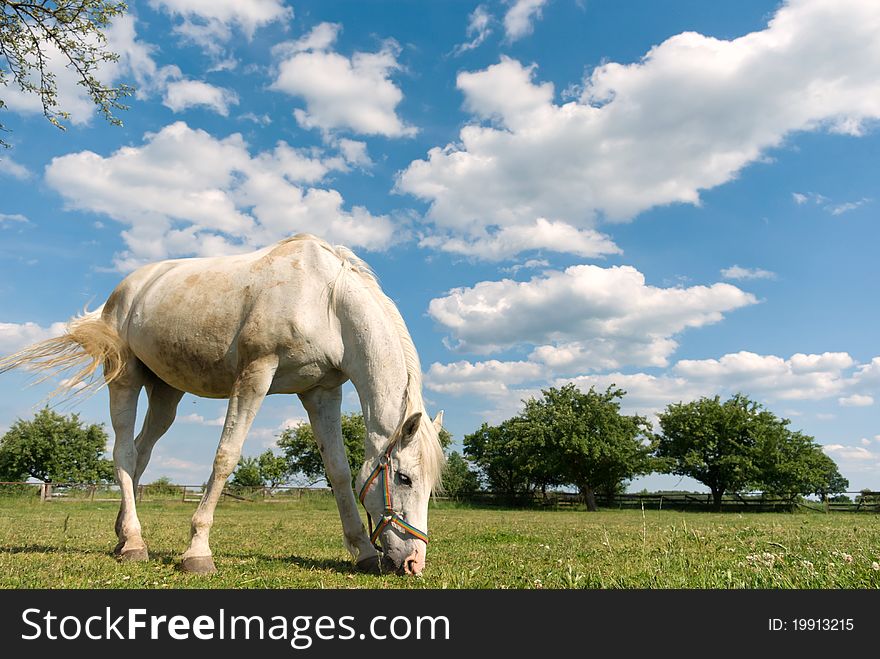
x,y
185,192
478,29
689,116
181,95
542,235
12,219
829,206
209,23
8,167
14,336
737,272
854,459
199,420
489,378
856,400
805,377
847,206
519,19
352,93
607,314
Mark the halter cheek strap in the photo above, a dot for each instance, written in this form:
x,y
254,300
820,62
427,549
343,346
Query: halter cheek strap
x,y
389,515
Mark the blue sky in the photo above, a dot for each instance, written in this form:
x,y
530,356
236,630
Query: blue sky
x,y
679,198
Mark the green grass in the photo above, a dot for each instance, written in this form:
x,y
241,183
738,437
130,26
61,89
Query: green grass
x,y
298,544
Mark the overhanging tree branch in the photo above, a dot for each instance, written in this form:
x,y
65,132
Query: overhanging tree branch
x,y
31,31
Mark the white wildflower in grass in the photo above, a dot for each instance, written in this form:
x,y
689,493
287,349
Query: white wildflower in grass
x,y
808,565
875,565
846,558
765,559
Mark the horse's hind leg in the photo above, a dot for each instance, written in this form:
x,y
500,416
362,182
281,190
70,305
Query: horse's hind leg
x,y
124,394
248,393
163,400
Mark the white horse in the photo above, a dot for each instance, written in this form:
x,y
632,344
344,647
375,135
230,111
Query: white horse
x,y
297,317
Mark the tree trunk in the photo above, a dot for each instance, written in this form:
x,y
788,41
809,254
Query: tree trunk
x,y
590,499
717,496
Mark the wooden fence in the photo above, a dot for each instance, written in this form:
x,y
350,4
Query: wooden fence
x,y
160,492
744,502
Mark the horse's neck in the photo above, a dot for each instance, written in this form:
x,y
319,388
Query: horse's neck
x,y
375,364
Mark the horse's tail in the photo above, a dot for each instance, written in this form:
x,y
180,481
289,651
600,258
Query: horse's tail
x,y
87,343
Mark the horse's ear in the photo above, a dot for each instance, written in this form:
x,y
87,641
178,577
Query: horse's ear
x,y
438,421
410,428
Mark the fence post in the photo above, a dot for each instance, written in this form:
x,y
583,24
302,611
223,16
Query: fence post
x,y
92,495
42,492
184,493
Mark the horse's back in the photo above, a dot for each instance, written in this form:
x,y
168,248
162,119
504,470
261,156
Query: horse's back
x,y
195,322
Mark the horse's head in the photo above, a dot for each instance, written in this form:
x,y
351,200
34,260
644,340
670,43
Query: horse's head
x,y
395,488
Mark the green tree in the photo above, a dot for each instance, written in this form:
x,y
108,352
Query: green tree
x,y
163,486
300,450
273,468
792,464
738,444
586,441
246,474
33,31
301,455
507,458
55,449
832,482
459,480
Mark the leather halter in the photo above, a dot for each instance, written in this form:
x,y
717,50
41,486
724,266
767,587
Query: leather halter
x,y
389,515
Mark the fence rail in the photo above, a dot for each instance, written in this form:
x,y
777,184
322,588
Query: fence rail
x,y
864,501
149,492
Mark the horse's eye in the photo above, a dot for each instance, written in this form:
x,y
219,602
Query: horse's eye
x,y
403,479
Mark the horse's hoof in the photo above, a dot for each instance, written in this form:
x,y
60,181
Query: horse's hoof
x,y
198,565
370,565
133,555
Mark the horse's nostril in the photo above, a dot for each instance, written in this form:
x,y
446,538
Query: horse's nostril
x,y
410,566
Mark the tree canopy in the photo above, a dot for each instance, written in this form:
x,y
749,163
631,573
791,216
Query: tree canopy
x,y
459,480
55,448
508,459
265,470
39,36
791,464
565,437
738,444
585,439
300,450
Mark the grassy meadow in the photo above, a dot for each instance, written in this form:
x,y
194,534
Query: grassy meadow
x,y
298,544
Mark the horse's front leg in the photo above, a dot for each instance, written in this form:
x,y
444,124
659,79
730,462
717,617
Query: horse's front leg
x,y
248,393
324,409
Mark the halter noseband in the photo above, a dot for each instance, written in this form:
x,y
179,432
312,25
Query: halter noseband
x,y
389,515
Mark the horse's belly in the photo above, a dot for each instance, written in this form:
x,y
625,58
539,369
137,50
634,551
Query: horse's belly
x,y
187,365
188,344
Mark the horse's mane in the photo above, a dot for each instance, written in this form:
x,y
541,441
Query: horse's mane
x,y
432,458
